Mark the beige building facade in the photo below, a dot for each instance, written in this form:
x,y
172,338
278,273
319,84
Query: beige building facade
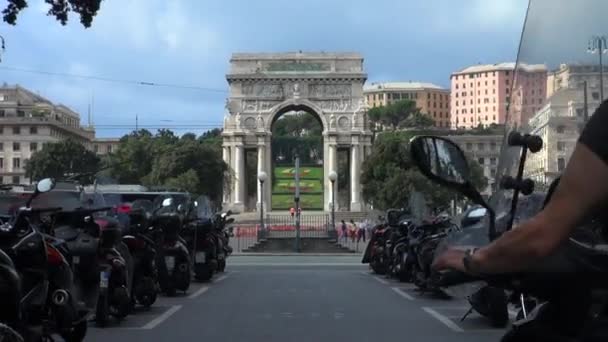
x,y
432,100
27,122
104,146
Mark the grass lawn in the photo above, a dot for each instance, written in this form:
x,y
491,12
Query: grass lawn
x,y
288,185
307,201
313,172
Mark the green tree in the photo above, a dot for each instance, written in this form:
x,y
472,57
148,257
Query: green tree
x,y
133,157
57,160
418,120
395,115
86,9
389,175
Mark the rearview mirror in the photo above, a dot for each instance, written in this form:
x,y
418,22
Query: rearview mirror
x,y
45,185
230,220
229,212
167,202
442,161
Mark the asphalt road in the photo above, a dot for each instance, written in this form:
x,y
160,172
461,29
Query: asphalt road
x,y
300,298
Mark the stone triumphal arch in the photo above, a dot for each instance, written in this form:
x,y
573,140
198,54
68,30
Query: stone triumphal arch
x,y
265,86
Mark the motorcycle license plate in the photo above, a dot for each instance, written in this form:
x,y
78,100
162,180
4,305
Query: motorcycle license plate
x,y
103,280
170,263
76,260
200,257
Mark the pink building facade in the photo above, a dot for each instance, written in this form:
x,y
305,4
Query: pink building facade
x,y
480,93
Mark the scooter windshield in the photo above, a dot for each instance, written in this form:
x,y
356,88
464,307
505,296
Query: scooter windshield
x,y
556,85
204,208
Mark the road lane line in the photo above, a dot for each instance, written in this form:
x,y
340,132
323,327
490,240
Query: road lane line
x,y
199,292
402,293
158,320
220,279
382,281
441,318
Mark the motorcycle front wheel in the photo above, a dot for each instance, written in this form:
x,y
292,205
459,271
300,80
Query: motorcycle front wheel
x,y
7,334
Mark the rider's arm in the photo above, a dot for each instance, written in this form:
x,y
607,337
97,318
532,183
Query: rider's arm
x,y
583,186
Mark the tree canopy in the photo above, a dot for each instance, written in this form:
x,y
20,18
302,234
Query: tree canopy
x,y
164,159
86,9
389,176
57,160
403,113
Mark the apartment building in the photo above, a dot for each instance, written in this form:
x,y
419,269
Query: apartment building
x,y
432,99
481,93
27,122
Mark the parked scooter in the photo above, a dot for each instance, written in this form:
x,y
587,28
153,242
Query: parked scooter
x,y
173,258
36,277
140,241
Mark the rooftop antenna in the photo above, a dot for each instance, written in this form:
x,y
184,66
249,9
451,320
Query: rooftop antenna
x,y
92,107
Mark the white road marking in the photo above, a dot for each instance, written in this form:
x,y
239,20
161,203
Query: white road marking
x,y
402,293
220,279
443,319
158,320
199,292
382,281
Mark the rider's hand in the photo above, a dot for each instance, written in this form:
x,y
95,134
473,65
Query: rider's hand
x,y
450,259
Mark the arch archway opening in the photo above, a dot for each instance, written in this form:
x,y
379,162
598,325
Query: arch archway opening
x,y
297,131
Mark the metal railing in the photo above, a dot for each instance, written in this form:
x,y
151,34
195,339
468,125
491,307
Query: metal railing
x,y
311,226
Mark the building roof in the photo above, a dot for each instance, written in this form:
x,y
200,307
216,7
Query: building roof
x,y
501,66
401,86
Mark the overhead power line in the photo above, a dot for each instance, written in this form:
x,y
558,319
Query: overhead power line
x,y
115,80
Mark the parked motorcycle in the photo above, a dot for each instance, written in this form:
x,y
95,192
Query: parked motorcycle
x,y
140,240
36,277
173,257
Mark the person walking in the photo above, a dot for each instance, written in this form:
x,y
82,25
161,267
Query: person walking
x,y
361,232
344,232
353,230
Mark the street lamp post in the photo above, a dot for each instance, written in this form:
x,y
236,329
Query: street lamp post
x,y
333,176
262,177
597,44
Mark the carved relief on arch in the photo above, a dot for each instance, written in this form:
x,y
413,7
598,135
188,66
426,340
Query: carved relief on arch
x,y
343,123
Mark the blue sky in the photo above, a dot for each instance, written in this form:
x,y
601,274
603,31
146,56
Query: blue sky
x,y
189,42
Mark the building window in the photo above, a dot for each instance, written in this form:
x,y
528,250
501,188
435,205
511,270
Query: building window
x,y
16,163
561,146
33,130
109,147
16,146
493,161
481,146
16,180
507,90
16,130
1,163
595,95
20,113
493,146
472,84
33,146
560,129
561,164
481,161
96,148
469,146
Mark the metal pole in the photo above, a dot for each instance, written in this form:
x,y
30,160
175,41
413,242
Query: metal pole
x,y
333,209
601,52
297,201
586,103
262,227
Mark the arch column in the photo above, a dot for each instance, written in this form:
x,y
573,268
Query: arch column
x,y
226,191
355,172
239,177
